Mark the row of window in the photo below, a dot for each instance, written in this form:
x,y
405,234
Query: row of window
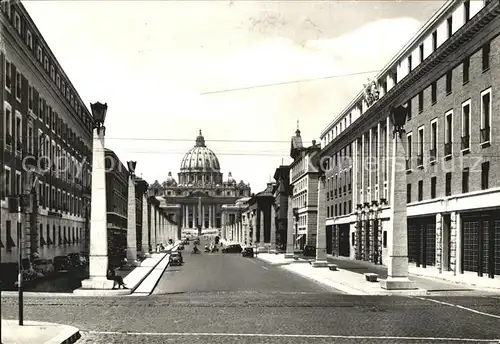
x,y
47,62
65,165
467,115
381,86
39,107
65,236
339,209
449,80
57,200
485,171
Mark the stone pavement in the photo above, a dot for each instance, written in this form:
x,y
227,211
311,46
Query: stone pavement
x,y
350,277
35,332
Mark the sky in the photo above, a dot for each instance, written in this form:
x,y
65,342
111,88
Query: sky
x,y
170,68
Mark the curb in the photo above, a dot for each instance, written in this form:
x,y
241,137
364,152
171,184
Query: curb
x,y
149,273
69,336
156,283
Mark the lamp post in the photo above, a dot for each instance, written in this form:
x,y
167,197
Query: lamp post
x,y
98,255
131,218
296,225
397,273
290,224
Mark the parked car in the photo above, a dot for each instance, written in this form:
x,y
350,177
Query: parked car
x,y
76,260
43,267
309,251
175,259
61,263
232,248
248,252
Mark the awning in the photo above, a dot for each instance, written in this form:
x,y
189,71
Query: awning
x,y
49,242
1,244
10,242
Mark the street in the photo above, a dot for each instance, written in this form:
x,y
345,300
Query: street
x,y
224,298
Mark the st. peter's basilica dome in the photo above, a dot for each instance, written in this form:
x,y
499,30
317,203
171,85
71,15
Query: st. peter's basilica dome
x,y
200,158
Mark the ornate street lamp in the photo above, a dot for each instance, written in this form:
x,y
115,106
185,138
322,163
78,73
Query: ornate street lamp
x,y
99,111
131,167
398,118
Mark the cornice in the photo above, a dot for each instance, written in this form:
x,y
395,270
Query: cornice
x,y
468,38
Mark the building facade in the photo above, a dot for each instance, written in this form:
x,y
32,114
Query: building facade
x,y
304,182
44,125
195,201
445,78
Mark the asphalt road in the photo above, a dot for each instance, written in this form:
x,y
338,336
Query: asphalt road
x,y
227,299
230,272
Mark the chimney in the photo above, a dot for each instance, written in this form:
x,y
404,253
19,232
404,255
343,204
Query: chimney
x,y
314,142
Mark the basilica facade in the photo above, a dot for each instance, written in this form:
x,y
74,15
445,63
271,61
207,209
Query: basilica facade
x,y
194,201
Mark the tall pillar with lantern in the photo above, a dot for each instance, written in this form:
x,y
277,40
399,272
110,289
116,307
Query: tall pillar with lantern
x,y
131,217
397,241
98,259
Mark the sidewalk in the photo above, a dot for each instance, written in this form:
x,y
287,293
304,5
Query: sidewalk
x,y
34,332
350,277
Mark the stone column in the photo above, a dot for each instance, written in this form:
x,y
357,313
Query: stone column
x,y
210,216
131,221
273,229
184,217
397,238
456,243
145,226
98,259
254,228
321,225
289,229
154,227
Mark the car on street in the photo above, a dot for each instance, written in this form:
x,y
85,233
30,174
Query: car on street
x,y
61,263
76,260
232,248
248,252
43,267
175,259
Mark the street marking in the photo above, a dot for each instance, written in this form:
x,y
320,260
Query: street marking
x,y
458,306
275,335
262,266
253,261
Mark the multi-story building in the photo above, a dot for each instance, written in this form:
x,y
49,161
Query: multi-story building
x,y
446,79
44,124
304,184
281,192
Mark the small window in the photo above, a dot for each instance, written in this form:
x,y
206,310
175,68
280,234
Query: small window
x,y
433,93
17,22
421,101
448,184
486,57
19,80
409,64
433,187
421,52
8,75
465,180
485,116
448,82
485,175
449,25
420,190
39,54
408,193
58,80
466,67
29,39
434,40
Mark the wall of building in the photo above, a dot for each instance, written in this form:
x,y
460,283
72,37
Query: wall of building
x,y
42,116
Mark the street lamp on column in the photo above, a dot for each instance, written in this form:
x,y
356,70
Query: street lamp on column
x,y
397,267
296,220
98,258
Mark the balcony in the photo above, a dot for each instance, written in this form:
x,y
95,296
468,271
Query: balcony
x,y
432,156
420,161
447,150
465,146
485,136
